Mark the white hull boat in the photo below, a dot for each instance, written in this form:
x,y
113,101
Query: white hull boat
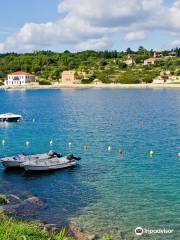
x,y
10,117
49,164
40,162
17,160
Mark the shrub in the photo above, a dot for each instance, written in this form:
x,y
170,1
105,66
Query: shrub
x,y
129,78
104,76
44,82
3,200
122,65
106,237
86,81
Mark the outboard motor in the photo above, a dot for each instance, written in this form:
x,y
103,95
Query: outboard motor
x,y
72,157
59,155
77,158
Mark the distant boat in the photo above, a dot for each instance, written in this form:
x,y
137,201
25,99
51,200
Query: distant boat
x,y
10,117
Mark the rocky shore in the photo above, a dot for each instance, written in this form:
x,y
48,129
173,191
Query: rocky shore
x,y
15,207
93,85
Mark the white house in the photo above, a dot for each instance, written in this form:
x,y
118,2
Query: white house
x,y
158,54
150,61
19,78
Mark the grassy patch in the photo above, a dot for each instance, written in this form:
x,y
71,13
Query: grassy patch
x,y
11,229
18,230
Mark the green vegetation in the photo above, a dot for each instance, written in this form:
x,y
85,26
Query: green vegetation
x,y
106,66
3,200
44,82
17,230
11,229
106,237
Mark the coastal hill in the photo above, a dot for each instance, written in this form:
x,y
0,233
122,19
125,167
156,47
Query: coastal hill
x,y
128,66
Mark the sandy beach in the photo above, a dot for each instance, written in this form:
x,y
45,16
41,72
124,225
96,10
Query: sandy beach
x,y
98,85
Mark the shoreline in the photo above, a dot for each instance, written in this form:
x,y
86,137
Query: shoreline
x,y
96,86
22,210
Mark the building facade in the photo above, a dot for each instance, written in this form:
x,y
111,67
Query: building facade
x,y
157,54
150,61
69,77
130,59
19,79
166,77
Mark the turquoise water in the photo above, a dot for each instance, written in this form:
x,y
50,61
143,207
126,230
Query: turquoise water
x,y
106,193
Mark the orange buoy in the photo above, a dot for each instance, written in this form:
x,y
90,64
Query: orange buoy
x,y
142,124
120,152
85,147
110,124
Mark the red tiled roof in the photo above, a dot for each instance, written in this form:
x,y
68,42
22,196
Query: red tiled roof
x,y
21,73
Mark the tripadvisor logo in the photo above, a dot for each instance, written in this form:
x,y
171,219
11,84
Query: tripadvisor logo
x,y
139,231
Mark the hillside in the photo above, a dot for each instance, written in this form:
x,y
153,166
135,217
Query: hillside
x,y
107,66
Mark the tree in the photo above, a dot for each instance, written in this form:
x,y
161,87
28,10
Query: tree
x,y
129,51
141,48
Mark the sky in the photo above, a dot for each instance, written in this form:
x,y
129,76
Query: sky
x,y
77,25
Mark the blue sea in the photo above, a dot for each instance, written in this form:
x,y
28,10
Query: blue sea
x,y
107,192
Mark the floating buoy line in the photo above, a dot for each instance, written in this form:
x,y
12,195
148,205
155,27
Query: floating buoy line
x,y
151,152
85,147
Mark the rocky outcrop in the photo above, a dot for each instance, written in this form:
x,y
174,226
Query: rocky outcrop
x,y
13,199
22,208
79,234
19,208
51,228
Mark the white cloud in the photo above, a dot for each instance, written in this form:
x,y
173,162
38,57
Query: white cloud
x,y
93,24
175,43
135,36
94,44
174,15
